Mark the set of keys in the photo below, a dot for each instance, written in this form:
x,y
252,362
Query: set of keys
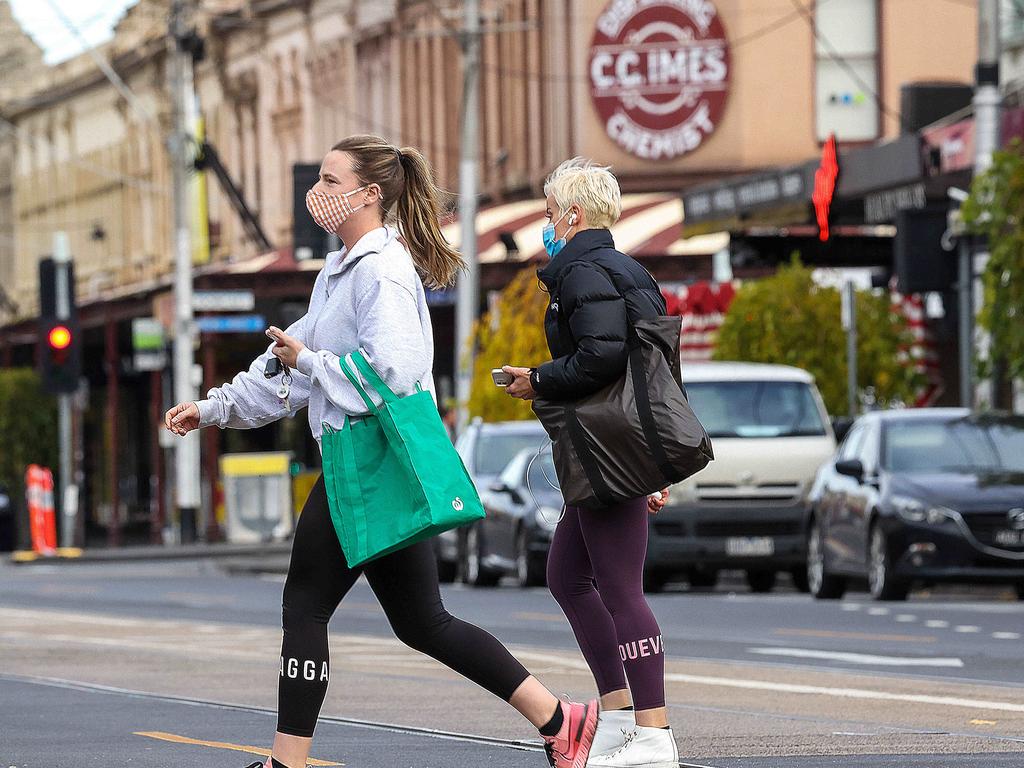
x,y
274,368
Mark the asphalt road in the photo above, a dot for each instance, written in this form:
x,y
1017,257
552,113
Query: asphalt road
x,y
149,663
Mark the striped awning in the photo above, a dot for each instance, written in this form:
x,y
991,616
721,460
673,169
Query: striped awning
x,y
651,225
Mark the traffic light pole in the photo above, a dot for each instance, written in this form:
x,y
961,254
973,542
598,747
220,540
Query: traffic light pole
x,y
186,464
68,495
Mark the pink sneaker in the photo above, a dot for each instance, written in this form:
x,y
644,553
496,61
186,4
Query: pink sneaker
x,y
571,746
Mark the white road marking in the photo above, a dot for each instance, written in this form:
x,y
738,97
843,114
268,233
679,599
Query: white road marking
x,y
813,690
851,606
1006,635
967,629
860,658
936,623
906,618
878,611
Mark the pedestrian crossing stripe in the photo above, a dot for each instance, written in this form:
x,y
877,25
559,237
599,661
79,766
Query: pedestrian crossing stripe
x,y
219,745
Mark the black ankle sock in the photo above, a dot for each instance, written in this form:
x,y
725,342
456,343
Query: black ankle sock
x,y
554,725
621,709
277,764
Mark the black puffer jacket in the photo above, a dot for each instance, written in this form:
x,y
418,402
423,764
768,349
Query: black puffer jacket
x,y
585,323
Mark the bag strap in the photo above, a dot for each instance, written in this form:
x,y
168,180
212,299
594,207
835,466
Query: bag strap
x,y
371,376
352,377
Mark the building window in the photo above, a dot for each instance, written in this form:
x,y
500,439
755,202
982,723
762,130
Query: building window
x,y
846,52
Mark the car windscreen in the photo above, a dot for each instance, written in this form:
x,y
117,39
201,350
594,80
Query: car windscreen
x,y
958,445
496,448
756,408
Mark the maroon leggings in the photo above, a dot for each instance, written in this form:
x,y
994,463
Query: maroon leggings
x,y
595,572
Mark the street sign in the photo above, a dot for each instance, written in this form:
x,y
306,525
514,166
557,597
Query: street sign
x,y
223,301
148,345
231,324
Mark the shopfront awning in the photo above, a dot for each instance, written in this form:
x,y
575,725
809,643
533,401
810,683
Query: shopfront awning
x,y
651,225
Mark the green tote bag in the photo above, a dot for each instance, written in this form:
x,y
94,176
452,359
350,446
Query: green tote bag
x,y
393,477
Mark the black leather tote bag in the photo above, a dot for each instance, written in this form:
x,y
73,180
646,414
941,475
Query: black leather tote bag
x,y
637,435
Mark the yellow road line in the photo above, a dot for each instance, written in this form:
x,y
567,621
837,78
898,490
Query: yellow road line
x,y
983,722
855,635
219,745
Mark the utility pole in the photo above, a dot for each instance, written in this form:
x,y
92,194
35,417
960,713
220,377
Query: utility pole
x,y
468,297
849,318
987,118
186,464
68,490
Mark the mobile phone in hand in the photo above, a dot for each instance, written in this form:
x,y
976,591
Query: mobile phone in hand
x,y
501,378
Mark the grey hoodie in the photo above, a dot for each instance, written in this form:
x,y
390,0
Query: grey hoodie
x,y
369,298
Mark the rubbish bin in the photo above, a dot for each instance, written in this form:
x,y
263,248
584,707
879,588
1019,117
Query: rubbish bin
x,y
257,496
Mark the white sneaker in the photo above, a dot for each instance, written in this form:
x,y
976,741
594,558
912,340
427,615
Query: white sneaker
x,y
613,727
643,748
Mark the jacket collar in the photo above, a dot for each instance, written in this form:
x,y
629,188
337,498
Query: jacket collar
x,y
576,249
373,241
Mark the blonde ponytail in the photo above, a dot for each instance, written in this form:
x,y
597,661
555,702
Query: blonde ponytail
x,y
419,211
404,176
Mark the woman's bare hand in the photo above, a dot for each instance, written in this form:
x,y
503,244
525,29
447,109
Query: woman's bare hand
x,y
654,504
286,348
182,419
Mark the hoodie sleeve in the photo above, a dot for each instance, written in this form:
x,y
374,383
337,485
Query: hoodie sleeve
x,y
250,399
395,350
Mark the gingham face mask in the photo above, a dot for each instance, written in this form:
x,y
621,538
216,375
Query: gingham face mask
x,y
331,211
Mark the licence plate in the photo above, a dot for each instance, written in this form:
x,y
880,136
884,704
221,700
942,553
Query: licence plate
x,y
749,546
1010,538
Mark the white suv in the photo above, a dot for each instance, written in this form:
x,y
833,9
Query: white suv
x,y
771,432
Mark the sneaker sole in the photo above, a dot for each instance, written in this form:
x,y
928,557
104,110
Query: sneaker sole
x,y
587,731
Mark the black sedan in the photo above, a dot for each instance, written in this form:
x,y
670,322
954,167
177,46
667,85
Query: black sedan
x,y
919,495
523,507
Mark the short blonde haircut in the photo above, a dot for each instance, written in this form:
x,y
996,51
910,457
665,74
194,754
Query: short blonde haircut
x,y
590,186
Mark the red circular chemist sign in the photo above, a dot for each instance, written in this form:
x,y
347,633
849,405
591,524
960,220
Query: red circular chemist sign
x,y
659,74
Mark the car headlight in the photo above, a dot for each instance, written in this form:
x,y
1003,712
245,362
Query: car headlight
x,y
548,517
916,511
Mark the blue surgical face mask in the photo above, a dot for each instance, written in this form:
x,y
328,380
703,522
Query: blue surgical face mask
x,y
551,245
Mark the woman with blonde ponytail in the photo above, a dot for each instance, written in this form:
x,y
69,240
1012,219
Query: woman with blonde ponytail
x,y
369,296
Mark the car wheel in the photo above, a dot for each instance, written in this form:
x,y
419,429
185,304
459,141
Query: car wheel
x,y
822,584
799,576
1020,590
655,580
475,573
529,566
882,581
701,578
761,581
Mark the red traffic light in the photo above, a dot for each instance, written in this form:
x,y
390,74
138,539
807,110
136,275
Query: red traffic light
x,y
59,337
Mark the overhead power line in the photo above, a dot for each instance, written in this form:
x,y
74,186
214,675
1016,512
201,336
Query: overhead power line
x,y
104,65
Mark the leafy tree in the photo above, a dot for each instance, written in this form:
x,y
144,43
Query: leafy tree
x,y
788,319
995,209
28,429
510,333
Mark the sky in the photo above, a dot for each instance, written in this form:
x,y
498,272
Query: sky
x,y
95,19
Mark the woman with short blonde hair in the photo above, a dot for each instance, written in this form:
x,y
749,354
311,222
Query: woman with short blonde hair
x,y
596,560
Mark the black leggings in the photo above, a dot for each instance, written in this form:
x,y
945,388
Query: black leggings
x,y
405,583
